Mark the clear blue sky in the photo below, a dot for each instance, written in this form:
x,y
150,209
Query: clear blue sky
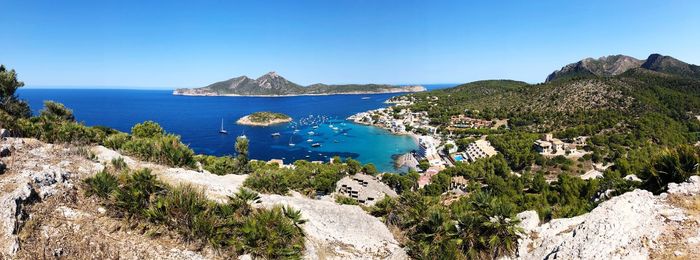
x,y
193,43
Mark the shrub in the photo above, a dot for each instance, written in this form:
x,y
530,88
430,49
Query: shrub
x,y
270,234
116,141
218,165
671,165
119,164
55,111
147,129
135,194
344,200
102,184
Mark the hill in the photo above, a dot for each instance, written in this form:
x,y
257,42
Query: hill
x,y
272,84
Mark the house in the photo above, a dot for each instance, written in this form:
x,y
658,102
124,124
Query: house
x,y
458,183
549,144
426,177
365,189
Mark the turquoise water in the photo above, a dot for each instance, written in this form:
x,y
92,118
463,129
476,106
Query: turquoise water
x,y
459,158
198,119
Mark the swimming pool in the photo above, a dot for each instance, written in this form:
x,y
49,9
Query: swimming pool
x,y
459,158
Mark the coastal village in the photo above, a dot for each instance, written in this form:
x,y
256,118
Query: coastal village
x,y
437,151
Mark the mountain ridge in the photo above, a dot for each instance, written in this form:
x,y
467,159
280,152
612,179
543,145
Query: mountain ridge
x,y
613,65
273,84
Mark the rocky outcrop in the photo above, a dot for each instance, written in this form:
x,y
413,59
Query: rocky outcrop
x,y
635,225
332,231
43,216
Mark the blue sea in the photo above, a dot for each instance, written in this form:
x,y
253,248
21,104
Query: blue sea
x,y
198,119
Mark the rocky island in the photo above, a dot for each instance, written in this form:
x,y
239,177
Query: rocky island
x,y
274,85
264,119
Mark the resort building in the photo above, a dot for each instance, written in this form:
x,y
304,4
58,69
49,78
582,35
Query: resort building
x,y
479,149
426,146
462,121
366,189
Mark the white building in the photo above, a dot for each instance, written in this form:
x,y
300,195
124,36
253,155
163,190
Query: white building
x,y
479,149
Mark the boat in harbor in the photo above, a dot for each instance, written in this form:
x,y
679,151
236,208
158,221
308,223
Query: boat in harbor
x,y
290,141
276,134
316,145
311,133
222,130
309,140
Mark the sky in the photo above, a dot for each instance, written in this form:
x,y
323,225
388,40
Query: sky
x,y
171,44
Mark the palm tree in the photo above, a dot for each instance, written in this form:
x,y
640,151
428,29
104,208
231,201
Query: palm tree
x,y
243,199
295,216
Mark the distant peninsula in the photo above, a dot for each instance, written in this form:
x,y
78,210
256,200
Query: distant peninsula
x,y
264,119
274,85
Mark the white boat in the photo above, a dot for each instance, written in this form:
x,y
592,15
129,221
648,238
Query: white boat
x,y
222,130
276,134
315,145
311,133
309,140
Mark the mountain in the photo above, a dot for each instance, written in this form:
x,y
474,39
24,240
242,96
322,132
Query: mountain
x,y
670,65
614,65
272,84
597,93
604,66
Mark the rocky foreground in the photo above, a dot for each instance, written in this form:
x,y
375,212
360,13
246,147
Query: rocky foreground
x,y
43,214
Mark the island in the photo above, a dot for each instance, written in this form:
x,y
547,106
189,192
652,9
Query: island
x,y
274,85
264,119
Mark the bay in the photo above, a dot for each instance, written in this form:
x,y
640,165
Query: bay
x,y
198,119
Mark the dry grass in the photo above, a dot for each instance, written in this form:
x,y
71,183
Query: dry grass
x,y
674,242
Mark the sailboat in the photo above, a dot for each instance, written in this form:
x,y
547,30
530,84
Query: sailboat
x,y
222,130
290,141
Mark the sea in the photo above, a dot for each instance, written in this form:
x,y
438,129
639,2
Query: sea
x,y
317,120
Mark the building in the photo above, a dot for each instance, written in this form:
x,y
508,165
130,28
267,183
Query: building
x,y
366,189
426,177
479,149
454,147
427,146
462,121
550,145
458,183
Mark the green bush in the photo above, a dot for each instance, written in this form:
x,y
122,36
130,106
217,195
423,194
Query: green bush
x,y
166,149
235,227
102,184
116,141
148,129
344,200
135,194
270,234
